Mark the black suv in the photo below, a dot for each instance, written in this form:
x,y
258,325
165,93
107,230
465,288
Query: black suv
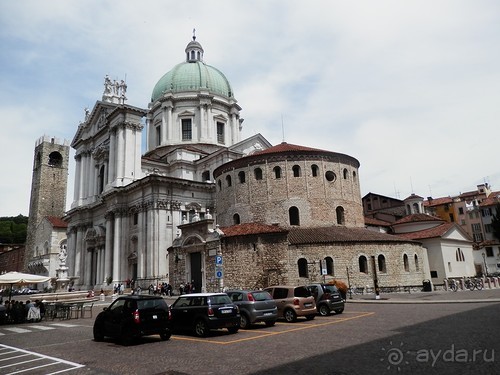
x,y
327,297
201,312
130,317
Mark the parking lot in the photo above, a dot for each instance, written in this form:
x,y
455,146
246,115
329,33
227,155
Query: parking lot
x,y
261,332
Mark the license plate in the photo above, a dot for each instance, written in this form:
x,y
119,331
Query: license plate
x,y
307,304
226,311
155,316
268,313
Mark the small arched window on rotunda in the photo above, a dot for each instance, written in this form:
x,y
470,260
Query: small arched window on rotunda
x,y
236,219
258,173
405,263
277,172
314,170
296,170
228,180
340,215
363,264
381,263
293,213
302,264
241,177
345,173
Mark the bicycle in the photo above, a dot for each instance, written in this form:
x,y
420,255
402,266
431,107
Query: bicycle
x,y
452,285
472,284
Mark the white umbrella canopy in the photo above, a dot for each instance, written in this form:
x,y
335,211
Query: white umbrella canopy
x,y
19,278
22,278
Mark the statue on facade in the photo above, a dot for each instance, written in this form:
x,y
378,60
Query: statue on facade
x,y
63,254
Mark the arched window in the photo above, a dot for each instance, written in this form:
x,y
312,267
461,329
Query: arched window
x,y
340,215
329,265
258,173
241,177
205,176
296,170
459,254
228,180
417,267
293,213
55,159
236,219
416,209
345,174
101,179
381,263
314,170
220,184
363,264
405,263
354,176
277,172
302,264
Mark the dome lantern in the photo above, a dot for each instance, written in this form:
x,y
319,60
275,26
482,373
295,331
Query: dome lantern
x,y
194,50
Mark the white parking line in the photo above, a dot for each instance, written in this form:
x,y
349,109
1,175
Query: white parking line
x,y
42,328
32,358
17,330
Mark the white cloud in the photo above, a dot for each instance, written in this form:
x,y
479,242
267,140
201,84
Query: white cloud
x,y
410,89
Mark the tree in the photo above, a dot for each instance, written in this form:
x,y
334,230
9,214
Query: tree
x,y
13,229
495,222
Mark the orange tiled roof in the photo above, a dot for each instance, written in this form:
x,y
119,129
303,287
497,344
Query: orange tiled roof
x,y
417,218
492,199
377,222
251,228
437,231
333,234
437,201
57,222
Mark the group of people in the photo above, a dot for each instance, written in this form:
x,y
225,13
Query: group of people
x,y
188,288
19,312
163,289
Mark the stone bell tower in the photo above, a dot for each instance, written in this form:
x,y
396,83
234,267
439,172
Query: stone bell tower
x,y
48,186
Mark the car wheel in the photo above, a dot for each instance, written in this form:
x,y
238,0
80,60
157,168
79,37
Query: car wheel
x,y
310,317
290,315
244,321
98,335
324,310
165,335
270,323
339,311
201,328
233,329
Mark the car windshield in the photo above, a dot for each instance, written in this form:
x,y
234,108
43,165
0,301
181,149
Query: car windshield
x,y
219,299
330,288
301,291
261,296
152,304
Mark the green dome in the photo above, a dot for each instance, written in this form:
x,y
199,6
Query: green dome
x,y
193,76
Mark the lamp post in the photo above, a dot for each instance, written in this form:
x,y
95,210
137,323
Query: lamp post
x,y
485,266
349,282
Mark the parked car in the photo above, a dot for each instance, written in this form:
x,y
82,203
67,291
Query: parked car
x,y
255,306
293,301
327,297
202,312
130,317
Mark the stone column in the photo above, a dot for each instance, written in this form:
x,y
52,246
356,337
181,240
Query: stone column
x,y
112,157
78,177
108,247
116,249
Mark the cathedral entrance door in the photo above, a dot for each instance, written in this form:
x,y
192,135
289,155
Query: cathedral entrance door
x,y
196,271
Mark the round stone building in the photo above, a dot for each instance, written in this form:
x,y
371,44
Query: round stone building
x,y
290,185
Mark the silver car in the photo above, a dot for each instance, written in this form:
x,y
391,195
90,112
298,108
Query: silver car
x,y
255,306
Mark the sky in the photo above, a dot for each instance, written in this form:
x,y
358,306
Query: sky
x,y
411,89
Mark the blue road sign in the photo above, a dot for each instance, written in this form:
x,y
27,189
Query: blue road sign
x,y
219,273
218,259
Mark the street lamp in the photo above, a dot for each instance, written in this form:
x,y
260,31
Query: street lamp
x,y
485,266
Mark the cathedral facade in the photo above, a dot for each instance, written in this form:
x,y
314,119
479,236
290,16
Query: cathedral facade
x,y
202,205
